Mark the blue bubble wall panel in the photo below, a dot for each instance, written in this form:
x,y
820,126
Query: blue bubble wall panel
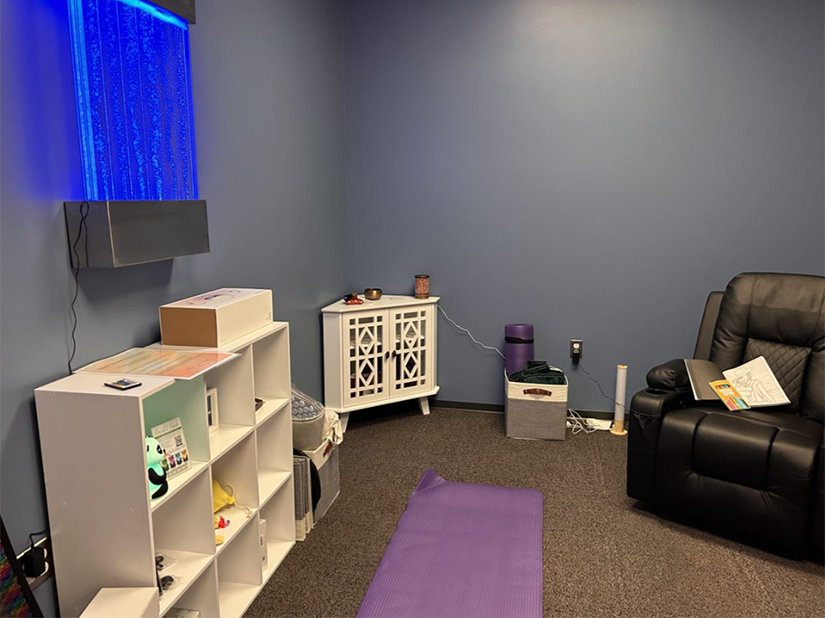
x,y
134,101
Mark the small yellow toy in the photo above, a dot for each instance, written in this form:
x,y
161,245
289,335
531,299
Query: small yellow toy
x,y
220,498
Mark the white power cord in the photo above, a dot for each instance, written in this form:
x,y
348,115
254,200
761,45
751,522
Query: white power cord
x,y
577,423
470,335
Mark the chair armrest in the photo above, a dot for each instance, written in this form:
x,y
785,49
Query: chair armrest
x,y
647,408
669,376
656,402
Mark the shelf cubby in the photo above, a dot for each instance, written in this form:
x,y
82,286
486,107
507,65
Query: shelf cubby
x,y
280,533
237,473
271,367
234,382
226,437
183,399
239,572
274,438
202,595
270,406
196,468
182,529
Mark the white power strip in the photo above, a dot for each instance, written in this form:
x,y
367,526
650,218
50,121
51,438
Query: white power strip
x,y
579,423
600,424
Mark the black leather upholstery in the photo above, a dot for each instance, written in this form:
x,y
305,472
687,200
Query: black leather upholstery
x,y
671,375
758,472
780,317
705,337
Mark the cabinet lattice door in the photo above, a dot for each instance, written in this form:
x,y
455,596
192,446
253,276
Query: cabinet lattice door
x,y
380,351
412,365
365,333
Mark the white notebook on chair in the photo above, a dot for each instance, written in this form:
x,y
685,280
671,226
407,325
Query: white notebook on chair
x,y
754,380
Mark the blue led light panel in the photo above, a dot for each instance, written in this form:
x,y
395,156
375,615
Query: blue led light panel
x,y
134,101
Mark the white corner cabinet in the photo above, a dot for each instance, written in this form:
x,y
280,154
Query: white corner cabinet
x,y
380,352
106,531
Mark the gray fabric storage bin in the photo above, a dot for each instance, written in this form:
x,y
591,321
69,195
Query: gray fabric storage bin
x,y
535,411
308,421
308,434
330,476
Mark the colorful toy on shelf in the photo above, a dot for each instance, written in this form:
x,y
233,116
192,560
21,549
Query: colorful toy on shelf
x,y
158,486
352,299
221,523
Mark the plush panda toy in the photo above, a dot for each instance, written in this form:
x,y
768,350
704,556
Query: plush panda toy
x,y
157,475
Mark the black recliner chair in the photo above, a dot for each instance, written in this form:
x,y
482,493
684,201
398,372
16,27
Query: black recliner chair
x,y
759,473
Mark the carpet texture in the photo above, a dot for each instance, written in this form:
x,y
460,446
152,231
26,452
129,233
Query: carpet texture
x,y
604,555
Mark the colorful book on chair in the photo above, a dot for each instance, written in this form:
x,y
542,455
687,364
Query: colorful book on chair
x,y
729,395
754,383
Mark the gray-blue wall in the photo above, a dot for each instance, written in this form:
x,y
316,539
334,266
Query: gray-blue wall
x,y
594,167
268,93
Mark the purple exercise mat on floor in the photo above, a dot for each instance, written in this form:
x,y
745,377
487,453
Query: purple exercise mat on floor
x,y
461,551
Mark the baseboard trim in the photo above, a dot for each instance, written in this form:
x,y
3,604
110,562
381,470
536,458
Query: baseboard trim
x,y
469,406
597,414
499,409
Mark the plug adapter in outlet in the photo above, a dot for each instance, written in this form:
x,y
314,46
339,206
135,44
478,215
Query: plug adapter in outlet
x,y
576,346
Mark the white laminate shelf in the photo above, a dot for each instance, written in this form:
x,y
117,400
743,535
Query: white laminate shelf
x,y
188,568
226,437
239,518
236,598
123,602
180,481
271,406
277,551
269,482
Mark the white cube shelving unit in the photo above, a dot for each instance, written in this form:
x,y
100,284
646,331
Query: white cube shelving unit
x,y
106,531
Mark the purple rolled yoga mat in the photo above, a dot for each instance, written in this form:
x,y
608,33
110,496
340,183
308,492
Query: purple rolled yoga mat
x,y
461,550
518,346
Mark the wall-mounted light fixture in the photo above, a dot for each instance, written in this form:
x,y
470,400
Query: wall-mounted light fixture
x,y
137,135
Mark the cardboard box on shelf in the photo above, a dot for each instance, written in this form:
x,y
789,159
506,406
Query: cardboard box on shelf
x,y
214,319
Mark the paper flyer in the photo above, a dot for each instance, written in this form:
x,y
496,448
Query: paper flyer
x,y
161,363
171,439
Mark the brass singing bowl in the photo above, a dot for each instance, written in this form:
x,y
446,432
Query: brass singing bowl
x,y
373,293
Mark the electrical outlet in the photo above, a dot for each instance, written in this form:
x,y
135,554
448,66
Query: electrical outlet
x,y
43,544
576,346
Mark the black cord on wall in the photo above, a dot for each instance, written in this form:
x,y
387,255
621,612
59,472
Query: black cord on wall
x,y
601,390
74,258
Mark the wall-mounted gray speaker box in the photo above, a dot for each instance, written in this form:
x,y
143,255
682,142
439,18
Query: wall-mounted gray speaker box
x,y
124,233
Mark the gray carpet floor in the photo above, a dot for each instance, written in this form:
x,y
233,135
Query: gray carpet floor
x,y
604,554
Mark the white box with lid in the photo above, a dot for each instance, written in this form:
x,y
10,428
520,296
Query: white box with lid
x,y
215,318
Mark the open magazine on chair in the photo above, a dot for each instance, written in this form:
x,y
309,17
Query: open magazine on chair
x,y
755,382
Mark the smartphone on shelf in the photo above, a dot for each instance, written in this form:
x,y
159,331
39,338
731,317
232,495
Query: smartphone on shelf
x,y
123,384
